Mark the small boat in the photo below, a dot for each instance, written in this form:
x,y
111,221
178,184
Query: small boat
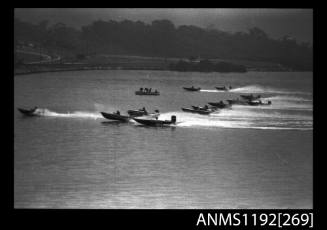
x,y
199,111
259,102
142,112
155,122
192,88
220,105
250,97
115,116
30,112
224,88
149,93
237,102
137,113
204,108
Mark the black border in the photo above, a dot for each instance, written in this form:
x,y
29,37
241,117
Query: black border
x,y
149,219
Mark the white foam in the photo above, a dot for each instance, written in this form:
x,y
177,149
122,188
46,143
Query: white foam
x,y
76,114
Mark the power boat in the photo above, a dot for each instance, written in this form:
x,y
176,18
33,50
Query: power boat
x,y
192,88
237,102
116,116
30,112
199,111
142,112
220,105
250,97
224,88
156,122
259,102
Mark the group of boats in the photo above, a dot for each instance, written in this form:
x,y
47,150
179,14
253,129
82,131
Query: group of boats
x,y
250,100
142,116
220,88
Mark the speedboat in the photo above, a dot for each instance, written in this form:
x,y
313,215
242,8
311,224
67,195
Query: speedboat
x,y
259,102
237,102
142,112
199,111
156,122
250,97
30,112
192,88
220,105
116,116
205,108
224,88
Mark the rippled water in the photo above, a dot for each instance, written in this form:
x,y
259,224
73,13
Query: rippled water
x,y
243,157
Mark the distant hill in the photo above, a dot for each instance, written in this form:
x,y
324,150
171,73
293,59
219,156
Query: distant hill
x,y
162,39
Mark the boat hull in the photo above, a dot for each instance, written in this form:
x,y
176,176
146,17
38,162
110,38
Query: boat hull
x,y
192,89
199,111
149,122
116,117
29,112
222,88
219,105
250,97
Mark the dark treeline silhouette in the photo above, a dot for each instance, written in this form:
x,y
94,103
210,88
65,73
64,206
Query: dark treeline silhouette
x,y
207,66
162,39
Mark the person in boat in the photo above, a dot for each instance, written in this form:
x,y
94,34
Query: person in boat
x,y
141,89
269,102
118,112
206,107
221,102
156,91
150,90
35,108
230,87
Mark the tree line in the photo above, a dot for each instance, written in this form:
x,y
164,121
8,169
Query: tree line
x,y
162,38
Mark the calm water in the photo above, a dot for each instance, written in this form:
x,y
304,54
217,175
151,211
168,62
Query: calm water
x,y
244,157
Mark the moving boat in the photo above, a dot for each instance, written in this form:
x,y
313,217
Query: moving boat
x,y
115,116
199,111
220,105
192,88
259,102
30,112
155,122
250,97
137,113
224,88
142,112
237,102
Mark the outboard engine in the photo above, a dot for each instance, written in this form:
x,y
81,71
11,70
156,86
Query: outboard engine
x,y
173,119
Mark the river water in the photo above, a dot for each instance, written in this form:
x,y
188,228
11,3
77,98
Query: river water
x,y
244,157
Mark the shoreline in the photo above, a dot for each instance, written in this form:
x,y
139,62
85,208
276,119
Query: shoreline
x,y
85,68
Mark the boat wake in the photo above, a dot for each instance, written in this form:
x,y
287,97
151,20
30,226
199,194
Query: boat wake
x,y
255,89
77,114
262,89
244,118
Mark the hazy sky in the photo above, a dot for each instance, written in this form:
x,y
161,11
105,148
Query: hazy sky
x,y
297,23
